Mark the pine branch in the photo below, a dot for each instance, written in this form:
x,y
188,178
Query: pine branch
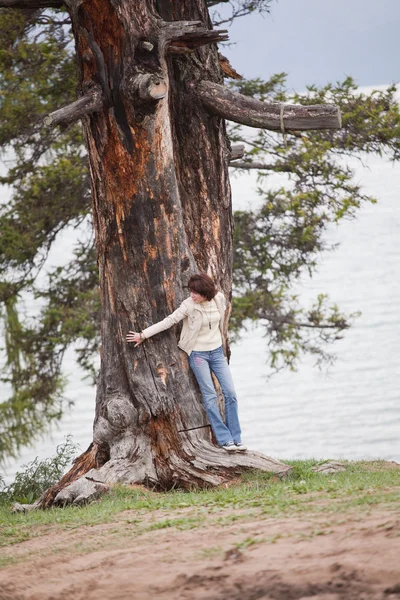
x,y
259,166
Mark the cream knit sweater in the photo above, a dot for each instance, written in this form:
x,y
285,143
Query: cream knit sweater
x,y
209,338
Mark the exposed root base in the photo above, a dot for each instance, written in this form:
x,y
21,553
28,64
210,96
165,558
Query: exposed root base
x,y
199,464
93,458
204,466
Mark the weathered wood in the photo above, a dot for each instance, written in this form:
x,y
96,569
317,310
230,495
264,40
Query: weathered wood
x,y
207,466
91,102
192,32
147,46
183,37
227,68
148,86
94,457
236,107
237,151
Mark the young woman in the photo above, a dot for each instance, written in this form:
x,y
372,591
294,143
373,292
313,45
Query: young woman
x,y
203,316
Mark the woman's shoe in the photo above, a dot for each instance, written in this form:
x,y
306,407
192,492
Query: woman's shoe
x,y
229,447
240,447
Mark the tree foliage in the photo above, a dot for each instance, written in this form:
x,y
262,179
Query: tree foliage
x,y
277,243
45,171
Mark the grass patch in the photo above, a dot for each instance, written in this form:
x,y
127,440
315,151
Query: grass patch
x,y
249,541
211,552
182,523
362,486
6,561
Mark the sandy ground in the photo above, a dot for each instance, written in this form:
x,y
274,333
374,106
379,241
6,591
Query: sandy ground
x,y
351,556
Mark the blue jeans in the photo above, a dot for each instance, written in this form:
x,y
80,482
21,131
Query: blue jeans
x,y
202,364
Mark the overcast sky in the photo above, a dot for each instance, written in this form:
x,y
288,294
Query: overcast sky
x,y
320,41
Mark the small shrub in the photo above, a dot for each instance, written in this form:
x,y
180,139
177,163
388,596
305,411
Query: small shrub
x,y
37,475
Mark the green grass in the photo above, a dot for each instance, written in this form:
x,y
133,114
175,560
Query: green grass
x,y
249,541
362,486
182,523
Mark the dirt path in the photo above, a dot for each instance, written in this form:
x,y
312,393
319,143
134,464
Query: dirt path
x,y
351,556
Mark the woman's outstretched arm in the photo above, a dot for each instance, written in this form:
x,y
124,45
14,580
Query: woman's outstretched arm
x,y
179,314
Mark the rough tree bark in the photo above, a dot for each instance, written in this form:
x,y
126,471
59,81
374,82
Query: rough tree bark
x,y
158,161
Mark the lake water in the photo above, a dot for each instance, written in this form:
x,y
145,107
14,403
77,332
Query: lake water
x,y
353,410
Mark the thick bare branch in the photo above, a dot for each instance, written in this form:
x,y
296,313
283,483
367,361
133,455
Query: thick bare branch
x,y
236,107
31,3
91,102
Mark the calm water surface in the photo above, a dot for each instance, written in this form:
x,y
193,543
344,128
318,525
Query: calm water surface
x,y
353,410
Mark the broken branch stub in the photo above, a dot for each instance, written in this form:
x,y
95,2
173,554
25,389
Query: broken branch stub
x,y
147,86
227,68
185,36
237,151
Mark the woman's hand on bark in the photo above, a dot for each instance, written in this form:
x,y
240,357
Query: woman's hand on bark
x,y
133,336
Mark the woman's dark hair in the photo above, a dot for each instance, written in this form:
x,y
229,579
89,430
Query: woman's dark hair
x,y
202,284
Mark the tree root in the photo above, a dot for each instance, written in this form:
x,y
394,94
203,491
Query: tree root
x,y
94,457
201,465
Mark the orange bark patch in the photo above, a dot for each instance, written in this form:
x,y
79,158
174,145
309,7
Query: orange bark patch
x,y
110,293
166,441
162,373
121,170
118,218
151,252
162,436
216,229
108,31
185,361
170,291
165,232
101,22
123,173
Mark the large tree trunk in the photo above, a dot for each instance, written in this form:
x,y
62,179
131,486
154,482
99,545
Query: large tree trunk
x,y
162,211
